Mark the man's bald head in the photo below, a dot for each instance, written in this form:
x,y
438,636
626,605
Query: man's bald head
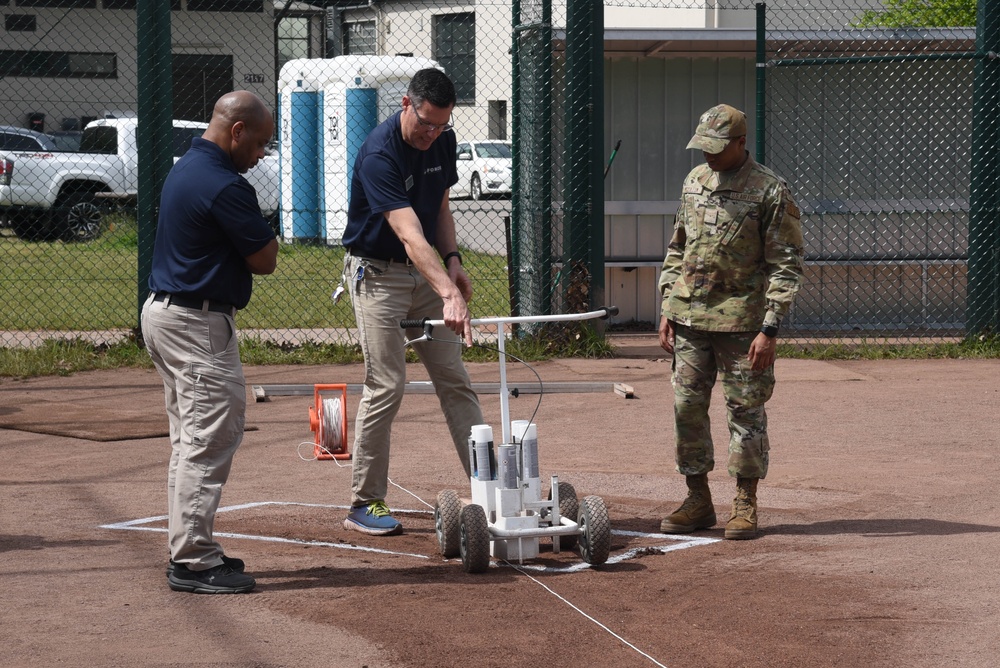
x,y
239,105
241,125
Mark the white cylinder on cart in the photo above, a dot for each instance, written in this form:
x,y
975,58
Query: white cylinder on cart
x,y
483,467
526,434
507,466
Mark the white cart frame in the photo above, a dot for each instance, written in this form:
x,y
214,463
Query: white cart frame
x,y
507,520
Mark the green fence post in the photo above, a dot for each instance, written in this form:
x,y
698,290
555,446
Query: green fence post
x,y
154,105
583,255
761,78
596,164
511,228
983,296
531,197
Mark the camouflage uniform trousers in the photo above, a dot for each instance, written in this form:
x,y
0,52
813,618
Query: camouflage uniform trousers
x,y
700,356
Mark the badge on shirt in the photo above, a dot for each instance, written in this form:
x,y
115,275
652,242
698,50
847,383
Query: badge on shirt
x,y
711,218
409,181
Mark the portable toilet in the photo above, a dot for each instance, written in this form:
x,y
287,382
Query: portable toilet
x,y
351,94
299,118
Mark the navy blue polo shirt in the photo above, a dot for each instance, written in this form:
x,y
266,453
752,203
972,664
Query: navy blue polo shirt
x,y
390,174
209,221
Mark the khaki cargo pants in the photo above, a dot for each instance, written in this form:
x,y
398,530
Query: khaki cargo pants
x,y
383,294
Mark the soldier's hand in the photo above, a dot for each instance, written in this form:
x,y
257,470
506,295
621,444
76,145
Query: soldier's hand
x,y
763,351
666,332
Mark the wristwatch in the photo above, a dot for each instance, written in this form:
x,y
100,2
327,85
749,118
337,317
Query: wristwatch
x,y
769,331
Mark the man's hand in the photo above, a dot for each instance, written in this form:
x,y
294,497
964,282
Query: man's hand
x,y
763,352
457,317
458,276
666,332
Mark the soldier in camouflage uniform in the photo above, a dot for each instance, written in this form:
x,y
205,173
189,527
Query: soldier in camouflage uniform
x,y
732,269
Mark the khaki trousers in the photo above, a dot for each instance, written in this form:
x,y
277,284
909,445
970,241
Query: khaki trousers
x,y
197,355
383,294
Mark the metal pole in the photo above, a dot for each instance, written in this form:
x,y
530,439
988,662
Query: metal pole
x,y
583,256
761,80
512,227
596,174
154,143
983,289
531,206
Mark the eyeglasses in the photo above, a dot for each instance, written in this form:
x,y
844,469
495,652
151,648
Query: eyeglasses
x,y
430,127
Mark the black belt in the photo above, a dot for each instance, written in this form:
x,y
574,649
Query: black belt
x,y
371,256
199,304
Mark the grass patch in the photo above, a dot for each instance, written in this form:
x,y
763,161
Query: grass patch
x,y
973,347
94,286
64,357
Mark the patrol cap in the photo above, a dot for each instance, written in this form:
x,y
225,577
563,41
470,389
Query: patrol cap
x,y
716,127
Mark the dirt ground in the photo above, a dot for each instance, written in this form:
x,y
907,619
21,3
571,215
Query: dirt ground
x,y
879,540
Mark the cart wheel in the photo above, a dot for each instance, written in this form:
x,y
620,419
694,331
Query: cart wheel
x,y
595,530
568,507
447,516
475,539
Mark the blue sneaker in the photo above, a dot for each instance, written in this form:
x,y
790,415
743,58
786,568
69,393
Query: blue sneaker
x,y
373,518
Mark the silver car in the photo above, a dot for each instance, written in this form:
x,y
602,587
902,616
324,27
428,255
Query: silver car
x,y
484,168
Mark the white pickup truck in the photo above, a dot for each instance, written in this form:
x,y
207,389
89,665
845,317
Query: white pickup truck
x,y
47,195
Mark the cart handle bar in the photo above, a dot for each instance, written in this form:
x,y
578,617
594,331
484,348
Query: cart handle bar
x,y
604,313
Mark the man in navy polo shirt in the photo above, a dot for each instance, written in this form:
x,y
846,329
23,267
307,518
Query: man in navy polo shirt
x,y
399,231
210,239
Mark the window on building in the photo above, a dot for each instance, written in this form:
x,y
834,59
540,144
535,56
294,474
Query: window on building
x,y
359,39
20,23
293,39
175,5
71,65
66,4
251,6
455,51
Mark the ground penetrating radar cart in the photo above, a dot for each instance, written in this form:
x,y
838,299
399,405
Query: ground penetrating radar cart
x,y
508,515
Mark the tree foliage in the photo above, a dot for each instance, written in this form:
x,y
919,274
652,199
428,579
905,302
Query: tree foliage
x,y
920,14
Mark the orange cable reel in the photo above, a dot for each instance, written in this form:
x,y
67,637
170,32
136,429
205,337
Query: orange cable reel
x,y
328,421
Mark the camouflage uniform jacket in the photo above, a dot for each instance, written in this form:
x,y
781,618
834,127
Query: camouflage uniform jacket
x,y
735,260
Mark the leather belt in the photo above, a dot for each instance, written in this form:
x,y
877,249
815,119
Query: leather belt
x,y
197,304
368,256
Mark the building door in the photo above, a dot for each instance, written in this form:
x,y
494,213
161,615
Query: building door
x,y
198,82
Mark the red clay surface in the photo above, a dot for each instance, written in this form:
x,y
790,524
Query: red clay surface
x,y
879,539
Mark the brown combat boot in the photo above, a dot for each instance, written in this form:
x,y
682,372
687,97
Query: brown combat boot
x,y
743,523
696,512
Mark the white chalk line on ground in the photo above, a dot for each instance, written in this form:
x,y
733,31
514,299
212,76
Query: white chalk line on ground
x,y
584,614
136,525
676,543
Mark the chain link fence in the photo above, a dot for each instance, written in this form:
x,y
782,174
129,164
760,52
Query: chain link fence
x,y
882,118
